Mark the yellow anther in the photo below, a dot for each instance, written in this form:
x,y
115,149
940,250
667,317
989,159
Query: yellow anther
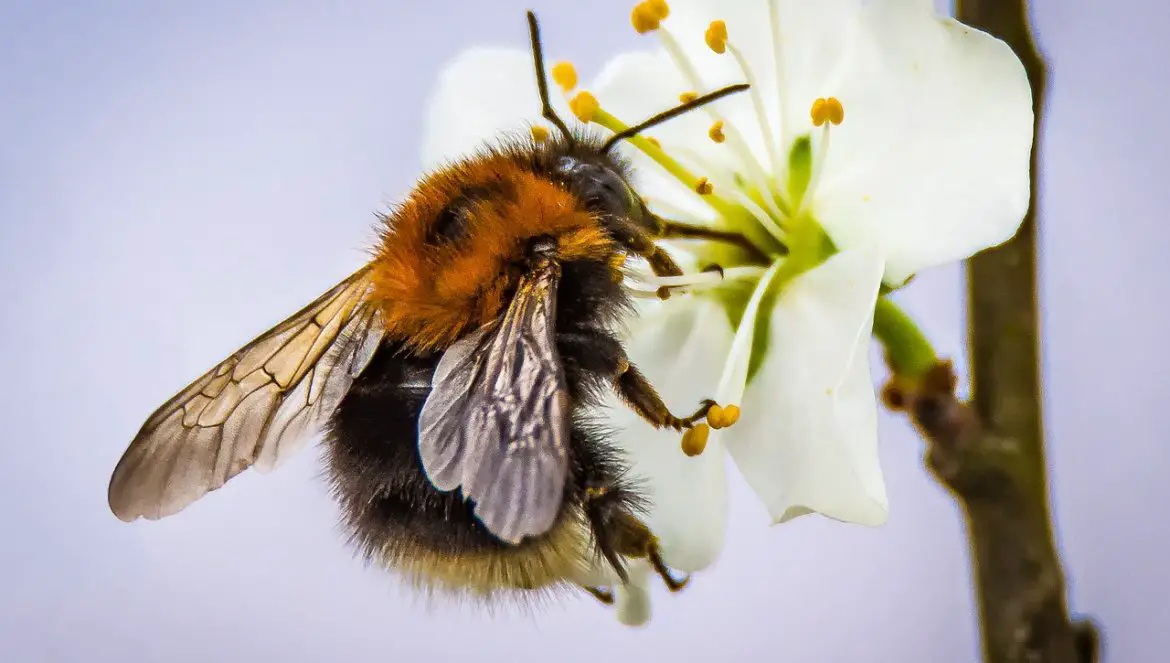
x,y
645,18
827,110
715,416
716,132
584,105
653,141
722,417
564,74
730,415
539,133
688,97
659,7
703,187
694,441
717,36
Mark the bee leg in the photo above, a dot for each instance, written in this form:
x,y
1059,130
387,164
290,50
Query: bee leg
x,y
603,595
602,506
640,395
632,538
642,243
678,230
673,584
601,353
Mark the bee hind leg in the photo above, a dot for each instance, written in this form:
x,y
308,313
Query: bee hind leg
x,y
621,534
604,596
673,584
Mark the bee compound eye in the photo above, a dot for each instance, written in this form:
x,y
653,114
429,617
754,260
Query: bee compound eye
x,y
568,165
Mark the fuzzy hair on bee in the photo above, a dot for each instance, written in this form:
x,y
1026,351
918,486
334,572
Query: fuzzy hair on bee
x,y
455,377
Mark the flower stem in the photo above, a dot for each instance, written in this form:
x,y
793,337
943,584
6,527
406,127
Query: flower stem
x,y
908,351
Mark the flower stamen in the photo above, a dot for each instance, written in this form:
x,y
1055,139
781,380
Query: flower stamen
x,y
761,113
825,113
716,132
660,8
737,193
539,133
688,97
703,187
706,278
716,36
722,417
827,110
585,106
736,140
777,57
647,16
564,74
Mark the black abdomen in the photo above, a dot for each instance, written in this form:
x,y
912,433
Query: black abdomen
x,y
392,510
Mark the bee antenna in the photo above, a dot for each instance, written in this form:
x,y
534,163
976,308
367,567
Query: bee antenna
x,y
672,113
546,109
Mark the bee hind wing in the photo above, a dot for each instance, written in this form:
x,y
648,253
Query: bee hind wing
x,y
496,422
254,409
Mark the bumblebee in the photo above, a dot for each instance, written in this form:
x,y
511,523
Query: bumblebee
x,y
453,376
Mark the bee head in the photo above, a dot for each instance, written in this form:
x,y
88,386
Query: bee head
x,y
604,192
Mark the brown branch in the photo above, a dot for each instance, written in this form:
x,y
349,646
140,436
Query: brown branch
x,y
990,453
998,479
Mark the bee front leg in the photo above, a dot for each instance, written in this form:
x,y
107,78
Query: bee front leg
x,y
602,354
640,395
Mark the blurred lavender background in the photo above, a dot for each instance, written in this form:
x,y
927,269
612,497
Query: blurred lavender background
x,y
175,177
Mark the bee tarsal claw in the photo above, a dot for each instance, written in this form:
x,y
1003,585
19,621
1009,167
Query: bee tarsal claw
x,y
673,584
604,596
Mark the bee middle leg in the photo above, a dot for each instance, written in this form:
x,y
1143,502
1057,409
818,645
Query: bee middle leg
x,y
601,353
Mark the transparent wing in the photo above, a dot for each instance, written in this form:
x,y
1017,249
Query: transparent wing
x,y
255,409
496,421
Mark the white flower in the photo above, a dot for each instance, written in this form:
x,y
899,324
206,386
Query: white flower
x,y
877,140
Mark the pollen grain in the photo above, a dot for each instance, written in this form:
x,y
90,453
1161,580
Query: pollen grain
x,y
694,441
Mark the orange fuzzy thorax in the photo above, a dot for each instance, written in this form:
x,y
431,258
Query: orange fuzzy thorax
x,y
433,293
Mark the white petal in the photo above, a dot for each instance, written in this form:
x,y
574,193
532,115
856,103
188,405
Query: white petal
x,y
807,437
733,380
814,40
482,93
931,162
680,350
